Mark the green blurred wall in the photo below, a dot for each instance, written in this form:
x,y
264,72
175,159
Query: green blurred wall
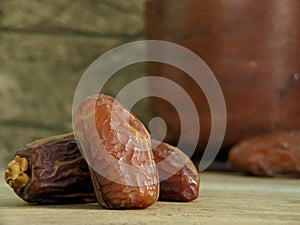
x,y
45,46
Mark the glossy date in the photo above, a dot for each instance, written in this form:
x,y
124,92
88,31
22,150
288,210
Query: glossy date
x,y
117,148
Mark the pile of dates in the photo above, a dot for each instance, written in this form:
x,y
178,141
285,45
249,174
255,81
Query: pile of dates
x,y
111,159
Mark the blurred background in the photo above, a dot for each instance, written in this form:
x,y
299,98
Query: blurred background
x,y
251,46
45,48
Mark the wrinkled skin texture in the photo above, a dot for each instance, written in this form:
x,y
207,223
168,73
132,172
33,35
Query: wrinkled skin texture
x,y
51,171
117,148
179,178
273,155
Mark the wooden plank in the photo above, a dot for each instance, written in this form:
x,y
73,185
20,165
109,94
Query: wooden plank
x,y
225,199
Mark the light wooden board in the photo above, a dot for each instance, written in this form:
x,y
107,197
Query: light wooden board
x,y
226,198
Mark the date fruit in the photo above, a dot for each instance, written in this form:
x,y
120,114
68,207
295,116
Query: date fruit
x,y
118,149
274,155
51,171
179,178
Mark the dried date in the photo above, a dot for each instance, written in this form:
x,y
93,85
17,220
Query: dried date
x,y
274,155
118,149
51,171
179,178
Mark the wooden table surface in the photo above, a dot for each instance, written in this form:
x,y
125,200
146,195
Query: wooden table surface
x,y
226,198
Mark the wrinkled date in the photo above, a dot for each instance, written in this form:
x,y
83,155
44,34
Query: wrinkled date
x,y
179,178
51,171
118,149
274,155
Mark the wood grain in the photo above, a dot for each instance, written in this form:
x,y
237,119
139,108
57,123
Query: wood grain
x,y
225,198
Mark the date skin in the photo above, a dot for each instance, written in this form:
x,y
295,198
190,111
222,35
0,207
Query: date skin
x,y
179,178
117,148
273,155
51,171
